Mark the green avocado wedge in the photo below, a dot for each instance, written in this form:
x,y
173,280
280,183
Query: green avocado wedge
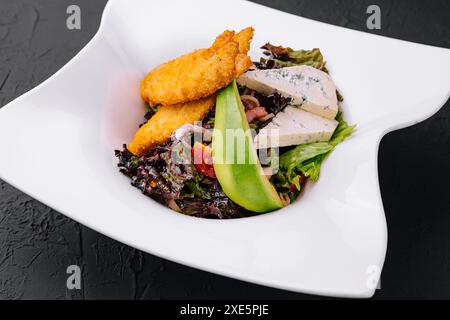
x,y
235,160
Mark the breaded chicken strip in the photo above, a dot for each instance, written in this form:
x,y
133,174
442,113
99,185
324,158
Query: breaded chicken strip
x,y
243,38
166,120
201,73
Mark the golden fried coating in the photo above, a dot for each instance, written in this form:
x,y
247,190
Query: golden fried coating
x,y
223,39
243,38
200,73
166,120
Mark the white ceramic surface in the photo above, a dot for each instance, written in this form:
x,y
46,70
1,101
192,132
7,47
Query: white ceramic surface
x,y
57,144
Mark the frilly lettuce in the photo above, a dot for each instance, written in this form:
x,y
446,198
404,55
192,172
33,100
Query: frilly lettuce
x,y
306,160
279,57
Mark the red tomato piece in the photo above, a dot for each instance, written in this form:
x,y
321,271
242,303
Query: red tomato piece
x,y
300,181
202,156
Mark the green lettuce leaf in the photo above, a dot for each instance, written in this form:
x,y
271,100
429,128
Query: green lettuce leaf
x,y
299,155
193,189
307,159
151,109
280,57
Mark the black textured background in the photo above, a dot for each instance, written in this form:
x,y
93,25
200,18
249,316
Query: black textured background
x,y
37,243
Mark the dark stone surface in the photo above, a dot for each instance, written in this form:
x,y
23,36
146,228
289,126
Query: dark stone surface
x,y
37,243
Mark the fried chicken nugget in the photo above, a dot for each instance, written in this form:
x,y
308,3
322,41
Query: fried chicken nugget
x,y
243,38
200,73
166,120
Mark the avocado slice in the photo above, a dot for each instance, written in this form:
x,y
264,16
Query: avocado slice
x,y
235,160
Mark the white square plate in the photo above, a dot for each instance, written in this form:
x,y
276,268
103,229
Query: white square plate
x,y
57,144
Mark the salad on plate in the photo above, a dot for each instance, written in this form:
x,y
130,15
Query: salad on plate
x,y
225,137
